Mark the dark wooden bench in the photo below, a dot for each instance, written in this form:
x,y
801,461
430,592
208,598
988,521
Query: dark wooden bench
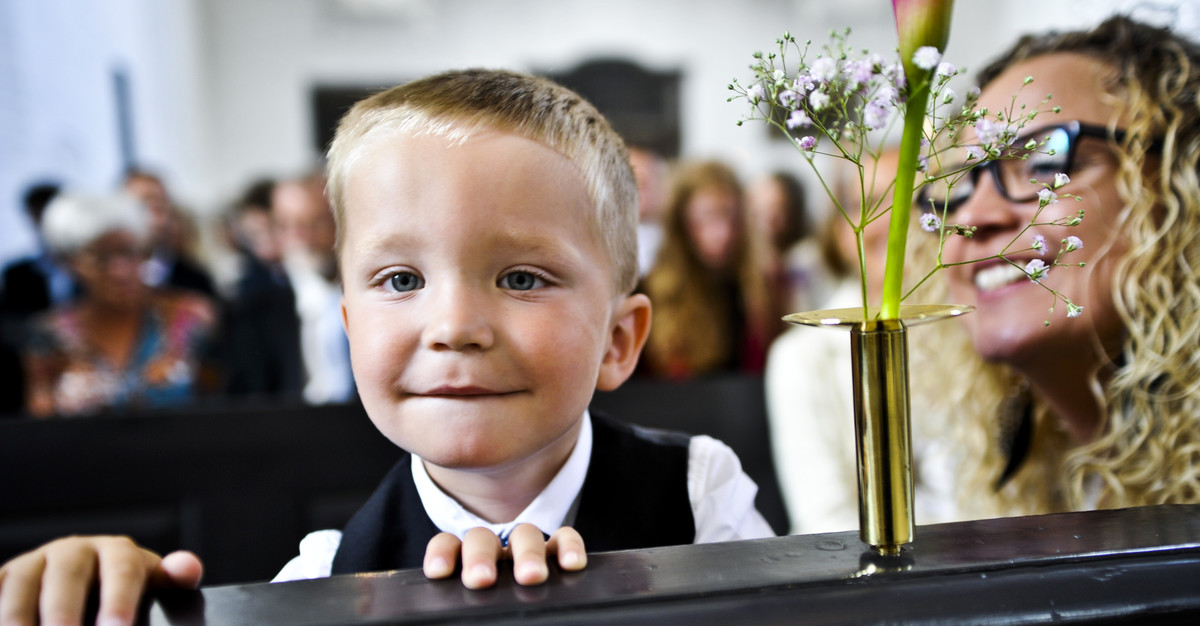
x,y
242,484
1131,566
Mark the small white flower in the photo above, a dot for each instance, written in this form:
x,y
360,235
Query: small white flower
x,y
1039,244
948,95
926,57
1073,310
1037,270
875,115
945,69
823,69
777,75
798,119
818,100
788,98
974,152
930,222
885,95
1061,179
987,131
807,143
1072,243
860,72
755,93
1047,197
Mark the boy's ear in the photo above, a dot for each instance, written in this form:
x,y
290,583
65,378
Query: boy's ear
x,y
631,326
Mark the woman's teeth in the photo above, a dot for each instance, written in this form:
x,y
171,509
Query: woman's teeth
x,y
998,276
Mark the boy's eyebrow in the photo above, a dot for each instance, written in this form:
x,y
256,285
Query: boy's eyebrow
x,y
537,243
383,241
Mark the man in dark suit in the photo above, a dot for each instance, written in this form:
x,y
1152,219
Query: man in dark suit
x,y
169,264
31,285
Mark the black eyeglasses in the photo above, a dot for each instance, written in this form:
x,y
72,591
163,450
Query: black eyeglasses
x,y
1019,177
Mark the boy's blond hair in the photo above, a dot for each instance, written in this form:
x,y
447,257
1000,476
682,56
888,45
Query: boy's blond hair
x,y
458,103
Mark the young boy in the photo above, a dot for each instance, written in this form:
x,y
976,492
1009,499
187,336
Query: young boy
x,y
487,242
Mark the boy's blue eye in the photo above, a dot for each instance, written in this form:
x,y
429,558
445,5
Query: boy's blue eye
x,y
521,281
405,281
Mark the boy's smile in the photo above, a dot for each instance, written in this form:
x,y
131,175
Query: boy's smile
x,y
479,303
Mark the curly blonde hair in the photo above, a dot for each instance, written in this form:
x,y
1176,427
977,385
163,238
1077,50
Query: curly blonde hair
x,y
1149,448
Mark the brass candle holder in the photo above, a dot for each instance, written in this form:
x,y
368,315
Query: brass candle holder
x,y
882,425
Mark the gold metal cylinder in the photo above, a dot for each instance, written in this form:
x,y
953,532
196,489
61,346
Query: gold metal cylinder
x,y
879,351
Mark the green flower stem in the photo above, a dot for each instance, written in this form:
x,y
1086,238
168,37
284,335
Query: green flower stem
x,y
906,171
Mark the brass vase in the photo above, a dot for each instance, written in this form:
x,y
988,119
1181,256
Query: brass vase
x,y
882,426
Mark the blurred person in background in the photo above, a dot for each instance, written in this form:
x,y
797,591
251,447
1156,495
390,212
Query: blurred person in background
x,y
789,253
122,344
307,236
31,285
171,263
259,347
713,311
651,172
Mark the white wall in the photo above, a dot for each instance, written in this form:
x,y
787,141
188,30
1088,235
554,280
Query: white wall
x,y
221,87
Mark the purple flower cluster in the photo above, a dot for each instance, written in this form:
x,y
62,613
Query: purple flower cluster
x,y
835,90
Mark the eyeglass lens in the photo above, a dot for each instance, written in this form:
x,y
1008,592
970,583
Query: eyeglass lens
x,y
1017,178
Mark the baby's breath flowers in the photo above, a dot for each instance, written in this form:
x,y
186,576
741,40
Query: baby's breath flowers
x,y
841,102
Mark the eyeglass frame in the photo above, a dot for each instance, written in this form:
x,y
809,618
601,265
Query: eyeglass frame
x,y
1075,130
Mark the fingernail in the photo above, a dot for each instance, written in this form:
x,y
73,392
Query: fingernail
x,y
531,571
573,560
482,572
437,567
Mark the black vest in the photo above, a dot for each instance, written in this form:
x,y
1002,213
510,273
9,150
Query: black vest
x,y
635,496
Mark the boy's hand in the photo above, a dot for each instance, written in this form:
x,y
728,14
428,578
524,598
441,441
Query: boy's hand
x,y
54,580
481,551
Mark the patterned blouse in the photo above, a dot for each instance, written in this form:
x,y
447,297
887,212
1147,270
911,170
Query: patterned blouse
x,y
162,370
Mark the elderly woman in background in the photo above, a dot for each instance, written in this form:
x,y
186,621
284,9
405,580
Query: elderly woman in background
x,y
122,345
1103,410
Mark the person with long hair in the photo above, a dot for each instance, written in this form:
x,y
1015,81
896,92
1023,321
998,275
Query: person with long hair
x,y
1103,410
713,311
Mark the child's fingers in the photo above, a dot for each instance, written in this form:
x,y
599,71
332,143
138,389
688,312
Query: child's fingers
x,y
124,569
441,554
480,552
177,569
528,546
20,584
70,572
568,545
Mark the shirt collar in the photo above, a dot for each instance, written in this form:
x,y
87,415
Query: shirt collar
x,y
548,511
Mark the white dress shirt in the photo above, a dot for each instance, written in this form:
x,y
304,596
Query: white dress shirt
x,y
722,498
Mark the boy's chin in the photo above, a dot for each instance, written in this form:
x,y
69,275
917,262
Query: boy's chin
x,y
470,461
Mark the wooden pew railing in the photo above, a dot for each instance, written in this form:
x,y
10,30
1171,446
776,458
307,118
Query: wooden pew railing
x,y
242,484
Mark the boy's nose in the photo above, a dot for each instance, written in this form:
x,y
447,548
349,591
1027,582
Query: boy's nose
x,y
458,321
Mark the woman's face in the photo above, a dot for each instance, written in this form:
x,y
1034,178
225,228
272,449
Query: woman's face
x,y
110,270
711,220
1008,325
766,204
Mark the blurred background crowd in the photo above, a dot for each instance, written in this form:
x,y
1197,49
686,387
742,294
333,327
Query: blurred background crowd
x,y
166,241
